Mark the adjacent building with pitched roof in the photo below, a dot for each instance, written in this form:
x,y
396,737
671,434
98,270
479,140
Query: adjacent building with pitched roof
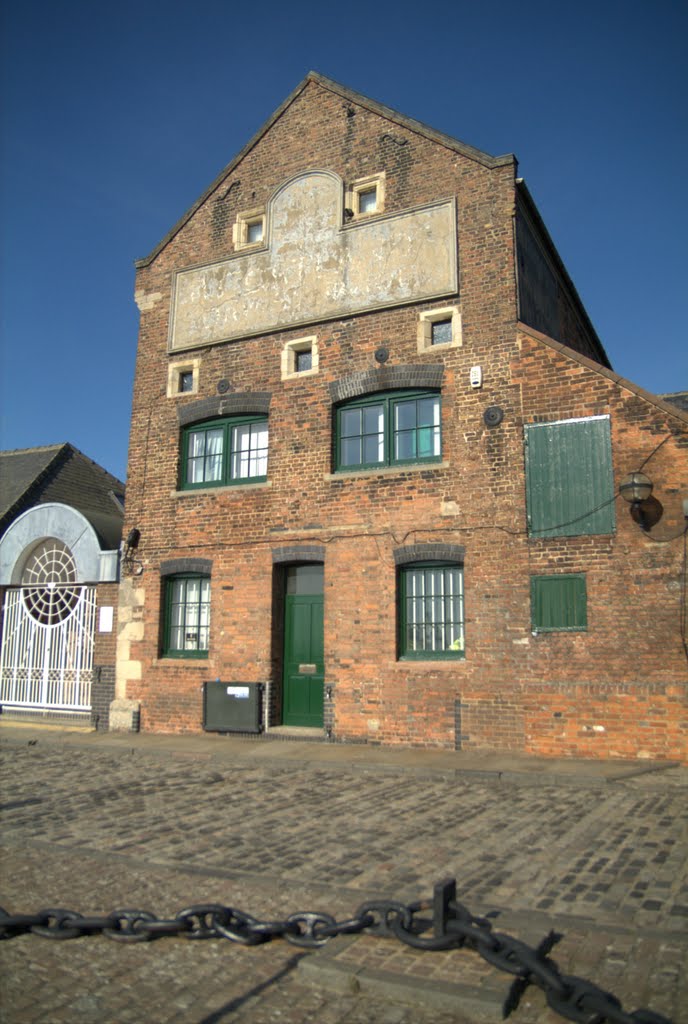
x,y
60,530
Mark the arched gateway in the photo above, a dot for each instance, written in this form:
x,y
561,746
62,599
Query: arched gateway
x,y
58,579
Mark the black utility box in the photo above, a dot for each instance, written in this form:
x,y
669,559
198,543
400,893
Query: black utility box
x,y
232,707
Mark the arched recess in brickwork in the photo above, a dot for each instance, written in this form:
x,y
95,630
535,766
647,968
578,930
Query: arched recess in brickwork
x,y
298,553
336,186
386,378
429,553
174,566
249,403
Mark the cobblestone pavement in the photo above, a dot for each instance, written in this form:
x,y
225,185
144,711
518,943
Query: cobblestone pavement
x,y
97,829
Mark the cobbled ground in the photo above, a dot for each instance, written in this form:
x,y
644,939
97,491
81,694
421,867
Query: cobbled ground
x,y
95,830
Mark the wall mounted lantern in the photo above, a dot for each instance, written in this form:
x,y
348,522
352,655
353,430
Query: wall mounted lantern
x,y
636,488
129,546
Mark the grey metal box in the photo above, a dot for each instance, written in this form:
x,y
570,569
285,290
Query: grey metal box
x,y
232,707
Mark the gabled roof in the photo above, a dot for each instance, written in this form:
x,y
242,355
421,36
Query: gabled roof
x,y
677,398
61,473
351,96
19,471
662,402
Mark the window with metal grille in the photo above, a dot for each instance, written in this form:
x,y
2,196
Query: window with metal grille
x,y
431,618
186,627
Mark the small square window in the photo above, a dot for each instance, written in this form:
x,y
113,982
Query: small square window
x,y
366,196
441,332
254,232
439,327
182,378
249,229
367,200
304,360
300,357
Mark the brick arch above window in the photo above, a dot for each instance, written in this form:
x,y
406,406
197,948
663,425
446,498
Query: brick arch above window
x,y
298,553
387,378
175,566
429,553
249,403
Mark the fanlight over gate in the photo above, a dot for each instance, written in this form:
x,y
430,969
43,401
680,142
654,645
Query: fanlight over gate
x,y
46,660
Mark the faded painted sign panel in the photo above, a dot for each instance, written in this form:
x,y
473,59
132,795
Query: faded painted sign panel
x,y
313,267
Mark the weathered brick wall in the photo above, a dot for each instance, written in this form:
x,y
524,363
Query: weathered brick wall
x,y
104,658
548,693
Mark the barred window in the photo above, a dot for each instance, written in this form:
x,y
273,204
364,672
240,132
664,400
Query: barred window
x,y
186,628
431,618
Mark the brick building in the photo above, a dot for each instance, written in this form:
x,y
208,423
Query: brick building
x,y
61,520
376,457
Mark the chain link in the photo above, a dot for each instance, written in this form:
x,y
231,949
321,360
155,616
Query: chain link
x,y
453,927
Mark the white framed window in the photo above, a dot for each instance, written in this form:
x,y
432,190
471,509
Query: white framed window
x,y
249,229
182,378
300,358
439,329
366,196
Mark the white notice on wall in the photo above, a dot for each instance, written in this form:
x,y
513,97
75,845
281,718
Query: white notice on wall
x,y
238,691
105,619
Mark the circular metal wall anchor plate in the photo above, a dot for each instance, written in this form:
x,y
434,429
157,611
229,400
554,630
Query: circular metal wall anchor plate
x,y
223,386
493,416
381,354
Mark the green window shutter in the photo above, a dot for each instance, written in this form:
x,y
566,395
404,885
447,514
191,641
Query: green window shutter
x,y
558,602
569,478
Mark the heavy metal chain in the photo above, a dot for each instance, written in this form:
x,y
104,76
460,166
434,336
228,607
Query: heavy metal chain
x,y
453,927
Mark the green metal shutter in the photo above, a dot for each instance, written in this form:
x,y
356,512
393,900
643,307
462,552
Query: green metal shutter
x,y
558,602
569,479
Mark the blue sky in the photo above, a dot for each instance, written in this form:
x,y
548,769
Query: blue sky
x,y
115,117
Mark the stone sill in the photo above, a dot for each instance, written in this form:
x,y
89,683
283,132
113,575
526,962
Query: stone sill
x,y
411,467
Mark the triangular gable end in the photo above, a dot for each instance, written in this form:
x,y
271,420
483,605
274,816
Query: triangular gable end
x,y
470,152
570,353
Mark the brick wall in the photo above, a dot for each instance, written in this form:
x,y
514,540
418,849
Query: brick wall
x,y
104,659
547,694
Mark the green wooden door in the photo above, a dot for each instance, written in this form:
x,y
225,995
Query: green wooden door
x,y
303,646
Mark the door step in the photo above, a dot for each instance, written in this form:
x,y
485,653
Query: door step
x,y
296,732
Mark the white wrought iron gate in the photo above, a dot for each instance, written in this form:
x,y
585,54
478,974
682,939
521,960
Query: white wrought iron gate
x,y
46,656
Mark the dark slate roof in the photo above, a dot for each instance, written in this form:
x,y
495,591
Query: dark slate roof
x,y
20,469
677,398
61,473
